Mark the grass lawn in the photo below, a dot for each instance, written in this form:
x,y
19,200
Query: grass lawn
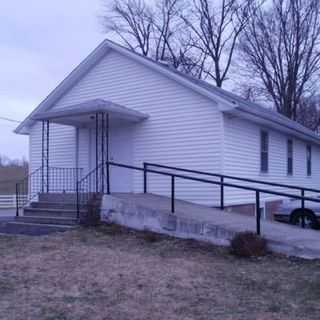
x,y
113,273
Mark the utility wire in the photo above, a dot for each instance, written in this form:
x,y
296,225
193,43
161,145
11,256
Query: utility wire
x,y
10,120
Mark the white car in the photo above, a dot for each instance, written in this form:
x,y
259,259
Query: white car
x,y
290,211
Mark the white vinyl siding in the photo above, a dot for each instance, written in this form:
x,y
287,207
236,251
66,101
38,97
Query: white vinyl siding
x,y
242,158
84,142
62,150
184,128
62,146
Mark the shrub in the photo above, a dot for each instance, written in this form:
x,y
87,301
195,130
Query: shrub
x,y
91,217
113,229
150,236
248,244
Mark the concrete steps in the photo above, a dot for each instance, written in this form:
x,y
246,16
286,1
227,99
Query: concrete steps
x,y
58,197
54,212
49,212
53,205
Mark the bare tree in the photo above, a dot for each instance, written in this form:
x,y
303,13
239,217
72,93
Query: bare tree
x,y
308,113
155,31
280,47
132,21
216,29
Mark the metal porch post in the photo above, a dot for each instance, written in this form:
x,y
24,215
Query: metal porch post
x,y
97,151
42,158
103,140
107,152
45,156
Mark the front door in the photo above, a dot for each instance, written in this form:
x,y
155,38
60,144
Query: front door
x,y
120,150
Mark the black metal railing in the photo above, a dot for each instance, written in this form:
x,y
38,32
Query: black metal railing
x,y
28,188
174,176
56,180
223,178
64,179
95,182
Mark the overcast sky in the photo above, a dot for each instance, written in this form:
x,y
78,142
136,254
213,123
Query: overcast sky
x,y
40,43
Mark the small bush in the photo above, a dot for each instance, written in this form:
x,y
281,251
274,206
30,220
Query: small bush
x,y
248,244
91,217
112,229
150,236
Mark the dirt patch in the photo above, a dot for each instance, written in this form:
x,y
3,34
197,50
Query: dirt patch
x,y
115,273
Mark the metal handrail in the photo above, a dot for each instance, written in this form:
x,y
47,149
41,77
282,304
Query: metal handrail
x,y
222,183
64,179
61,180
23,188
274,184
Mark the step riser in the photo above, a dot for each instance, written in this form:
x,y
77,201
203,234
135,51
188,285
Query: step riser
x,y
57,214
52,205
47,212
58,197
65,197
47,220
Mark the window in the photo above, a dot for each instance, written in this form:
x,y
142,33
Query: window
x,y
289,157
309,158
264,147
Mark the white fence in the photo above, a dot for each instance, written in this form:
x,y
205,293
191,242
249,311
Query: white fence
x,y
9,201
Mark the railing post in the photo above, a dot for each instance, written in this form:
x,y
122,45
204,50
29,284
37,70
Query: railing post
x,y
222,193
78,204
108,177
303,222
145,178
17,200
258,213
172,193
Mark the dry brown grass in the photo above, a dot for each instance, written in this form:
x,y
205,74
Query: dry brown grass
x,y
113,273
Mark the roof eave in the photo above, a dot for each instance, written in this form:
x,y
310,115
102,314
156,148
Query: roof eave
x,y
66,84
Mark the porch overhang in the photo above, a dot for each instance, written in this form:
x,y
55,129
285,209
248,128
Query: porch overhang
x,y
83,114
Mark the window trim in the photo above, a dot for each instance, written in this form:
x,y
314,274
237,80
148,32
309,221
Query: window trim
x,y
264,152
289,142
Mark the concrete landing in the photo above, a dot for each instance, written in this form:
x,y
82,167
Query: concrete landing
x,y
152,212
30,229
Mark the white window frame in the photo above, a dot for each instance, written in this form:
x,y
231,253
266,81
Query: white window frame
x,y
309,160
288,158
266,133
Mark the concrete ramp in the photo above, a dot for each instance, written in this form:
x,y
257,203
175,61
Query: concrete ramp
x,y
152,212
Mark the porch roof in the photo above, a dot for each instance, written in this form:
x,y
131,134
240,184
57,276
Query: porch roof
x,y
83,114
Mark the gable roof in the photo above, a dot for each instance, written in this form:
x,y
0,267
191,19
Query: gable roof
x,y
227,101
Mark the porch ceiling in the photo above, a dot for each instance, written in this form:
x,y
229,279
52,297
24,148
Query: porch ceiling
x,y
83,114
